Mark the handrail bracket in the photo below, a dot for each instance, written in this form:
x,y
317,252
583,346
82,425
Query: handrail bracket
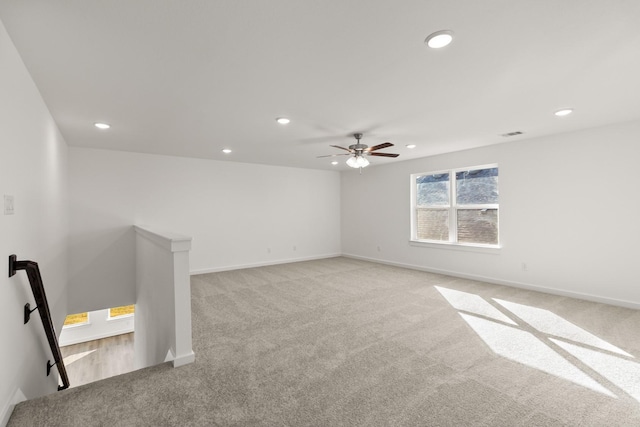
x,y
12,265
27,312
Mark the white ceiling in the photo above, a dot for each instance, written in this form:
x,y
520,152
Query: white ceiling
x,y
188,78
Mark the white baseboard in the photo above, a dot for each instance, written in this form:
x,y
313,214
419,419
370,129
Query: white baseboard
x,y
261,264
7,410
547,290
185,359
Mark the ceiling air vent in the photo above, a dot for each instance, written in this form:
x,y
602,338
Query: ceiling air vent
x,y
506,135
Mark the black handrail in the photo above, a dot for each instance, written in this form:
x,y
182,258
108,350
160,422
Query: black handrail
x,y
37,287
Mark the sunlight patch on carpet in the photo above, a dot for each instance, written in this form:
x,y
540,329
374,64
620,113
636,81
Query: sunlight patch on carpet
x,y
523,347
472,303
623,373
539,338
552,324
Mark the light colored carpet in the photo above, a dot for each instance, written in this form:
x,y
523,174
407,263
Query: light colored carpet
x,y
342,342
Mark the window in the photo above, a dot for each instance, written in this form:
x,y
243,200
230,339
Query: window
x,y
76,319
125,310
456,206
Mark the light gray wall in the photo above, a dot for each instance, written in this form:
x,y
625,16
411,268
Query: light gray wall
x,y
33,169
568,209
239,215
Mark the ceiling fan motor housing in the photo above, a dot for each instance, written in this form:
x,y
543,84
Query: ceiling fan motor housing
x,y
358,147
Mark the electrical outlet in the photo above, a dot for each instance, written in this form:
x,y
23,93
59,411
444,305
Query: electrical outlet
x,y
525,267
378,248
295,248
8,205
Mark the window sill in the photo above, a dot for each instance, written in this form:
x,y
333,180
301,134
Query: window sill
x,y
76,325
121,317
483,249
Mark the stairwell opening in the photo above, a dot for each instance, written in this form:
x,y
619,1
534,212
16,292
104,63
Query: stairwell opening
x,y
98,344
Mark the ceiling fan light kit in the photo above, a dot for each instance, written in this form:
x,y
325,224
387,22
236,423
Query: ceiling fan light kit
x,y
358,162
359,151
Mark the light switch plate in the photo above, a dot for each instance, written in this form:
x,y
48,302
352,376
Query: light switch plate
x,y
8,205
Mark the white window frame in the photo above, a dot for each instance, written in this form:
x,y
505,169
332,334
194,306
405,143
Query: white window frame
x,y
452,207
123,316
78,325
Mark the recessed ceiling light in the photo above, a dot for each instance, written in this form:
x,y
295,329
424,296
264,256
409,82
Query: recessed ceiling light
x,y
283,120
102,126
514,133
411,145
563,112
226,150
334,163
439,39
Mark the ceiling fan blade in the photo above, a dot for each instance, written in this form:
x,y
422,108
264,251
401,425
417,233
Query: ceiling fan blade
x,y
334,155
384,154
342,148
379,146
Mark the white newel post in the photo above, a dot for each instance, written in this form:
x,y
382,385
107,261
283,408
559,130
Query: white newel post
x,y
163,299
183,349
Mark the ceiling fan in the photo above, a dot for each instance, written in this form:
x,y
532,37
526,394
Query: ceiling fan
x,y
359,151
